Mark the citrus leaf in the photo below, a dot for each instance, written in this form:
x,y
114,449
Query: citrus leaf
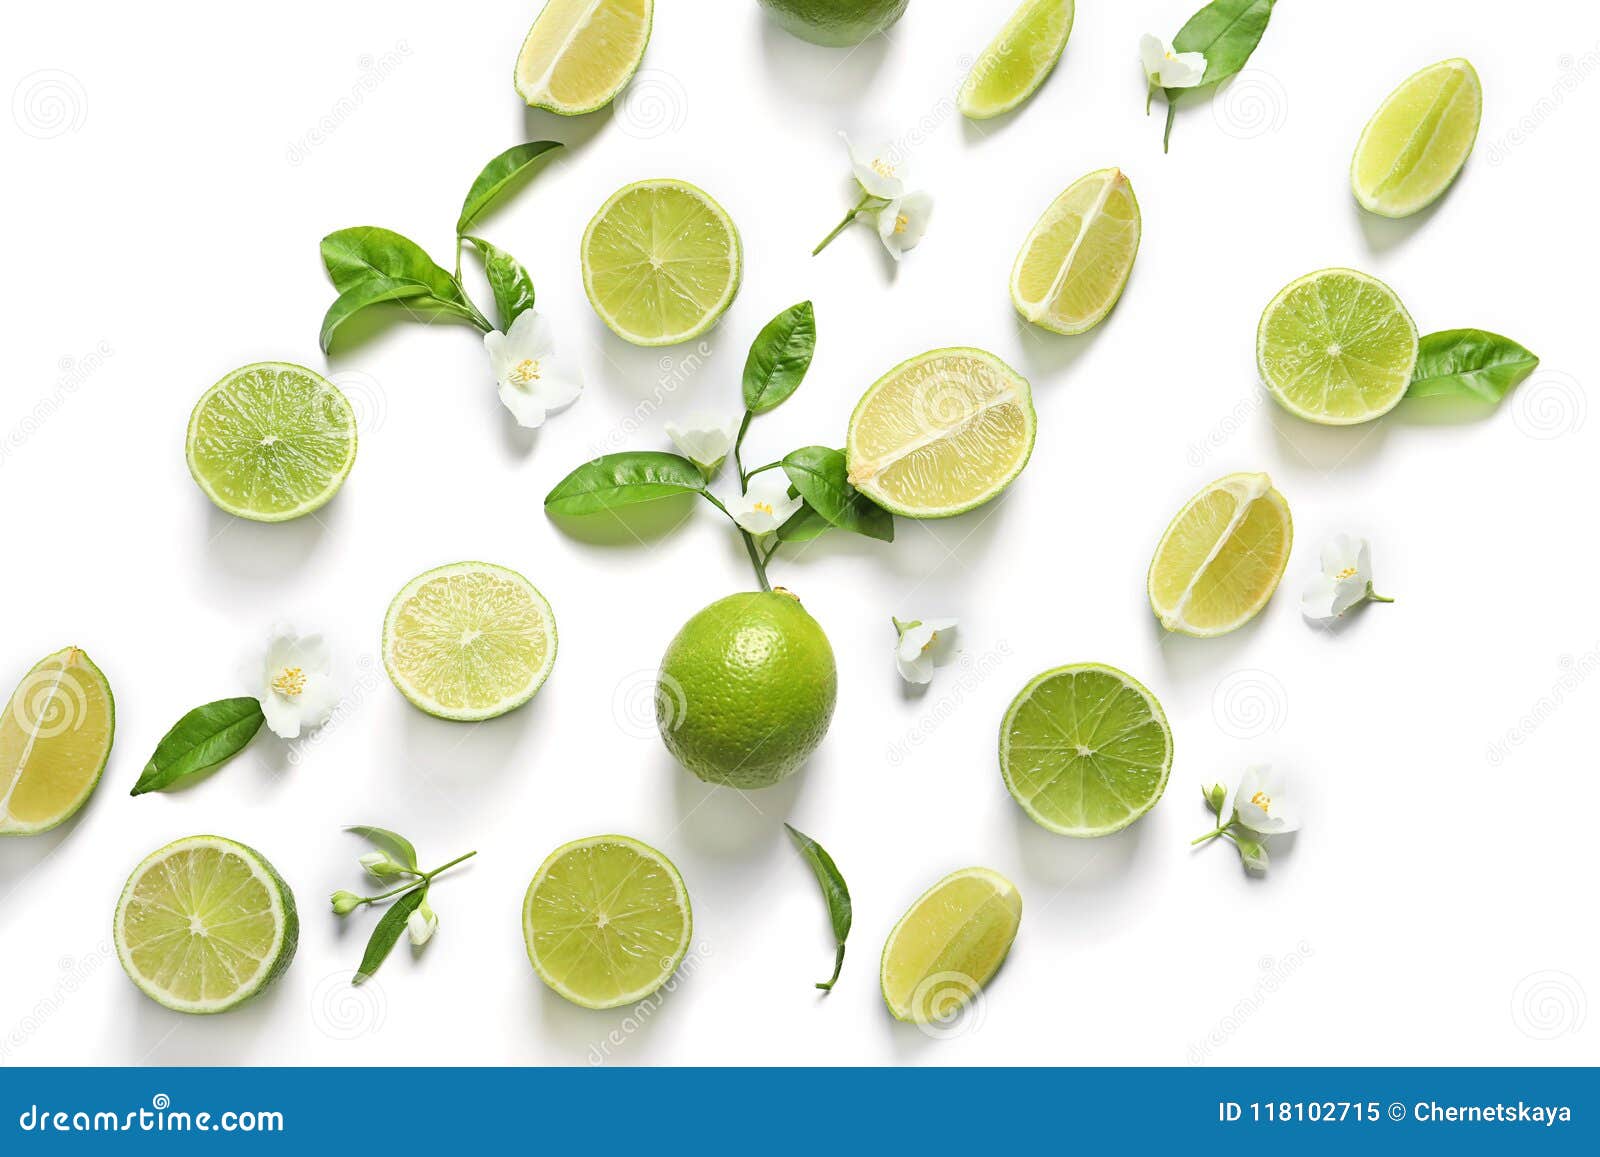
x,y
387,933
202,739
1472,363
373,291
365,251
804,525
615,480
508,280
1227,32
835,894
496,175
822,479
779,358
398,847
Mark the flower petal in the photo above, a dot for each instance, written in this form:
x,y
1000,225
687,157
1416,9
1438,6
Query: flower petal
x,y
874,172
1320,598
527,409
282,715
1152,55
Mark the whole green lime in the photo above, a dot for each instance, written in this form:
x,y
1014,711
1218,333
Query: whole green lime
x,y
746,690
836,23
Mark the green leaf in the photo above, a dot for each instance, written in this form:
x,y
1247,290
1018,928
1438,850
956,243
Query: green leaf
x,y
372,291
355,255
1472,363
1227,31
201,740
779,358
388,931
822,479
512,287
804,525
615,480
398,847
834,893
496,175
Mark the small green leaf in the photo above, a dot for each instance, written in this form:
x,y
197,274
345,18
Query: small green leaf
x,y
366,251
779,358
1216,795
372,291
388,931
822,479
804,525
398,847
615,480
496,175
1227,32
509,281
834,893
202,739
1252,852
1472,363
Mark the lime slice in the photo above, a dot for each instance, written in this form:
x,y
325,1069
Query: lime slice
x,y
606,921
271,441
941,433
1017,61
204,924
1075,263
1221,557
55,738
470,640
661,262
579,53
1417,141
1085,750
948,945
1336,347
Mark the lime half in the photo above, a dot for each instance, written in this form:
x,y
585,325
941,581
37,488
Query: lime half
x,y
204,924
661,262
1336,347
606,921
469,641
1085,750
1221,556
941,433
55,738
1417,141
579,53
271,441
1017,60
1076,261
948,945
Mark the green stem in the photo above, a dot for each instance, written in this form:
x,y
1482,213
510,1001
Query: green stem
x,y
838,963
418,880
406,887
844,224
738,447
446,867
749,540
1375,597
1172,112
1222,831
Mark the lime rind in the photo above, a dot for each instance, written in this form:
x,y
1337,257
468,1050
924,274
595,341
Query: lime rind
x,y
281,902
668,963
939,993
1113,181
326,392
1044,51
536,99
1028,801
419,697
9,824
1372,199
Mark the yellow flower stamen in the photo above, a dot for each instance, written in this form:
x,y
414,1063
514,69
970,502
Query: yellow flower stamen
x,y
882,168
1262,800
900,222
527,370
763,507
1347,572
290,681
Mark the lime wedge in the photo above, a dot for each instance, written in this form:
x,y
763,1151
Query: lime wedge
x,y
1417,141
579,53
948,945
204,924
1221,557
1336,347
55,738
661,262
1085,750
1075,263
470,640
1017,60
271,441
941,433
606,921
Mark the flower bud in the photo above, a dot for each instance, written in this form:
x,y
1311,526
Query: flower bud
x,y
345,903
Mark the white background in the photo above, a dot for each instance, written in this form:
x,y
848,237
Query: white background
x,y
169,171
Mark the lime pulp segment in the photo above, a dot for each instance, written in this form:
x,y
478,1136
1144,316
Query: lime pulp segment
x,y
579,53
1416,143
1017,61
55,738
948,945
1076,261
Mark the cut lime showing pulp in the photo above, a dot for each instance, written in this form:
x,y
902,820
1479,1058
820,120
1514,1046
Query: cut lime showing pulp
x,y
661,262
1017,60
948,945
55,738
941,433
1221,556
606,921
1417,141
271,441
579,53
204,924
1085,749
1336,347
470,640
1076,261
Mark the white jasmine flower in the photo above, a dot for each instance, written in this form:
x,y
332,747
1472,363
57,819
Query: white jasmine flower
x,y
533,381
704,440
880,173
1345,581
297,689
923,645
1164,68
422,924
903,221
765,504
1263,802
